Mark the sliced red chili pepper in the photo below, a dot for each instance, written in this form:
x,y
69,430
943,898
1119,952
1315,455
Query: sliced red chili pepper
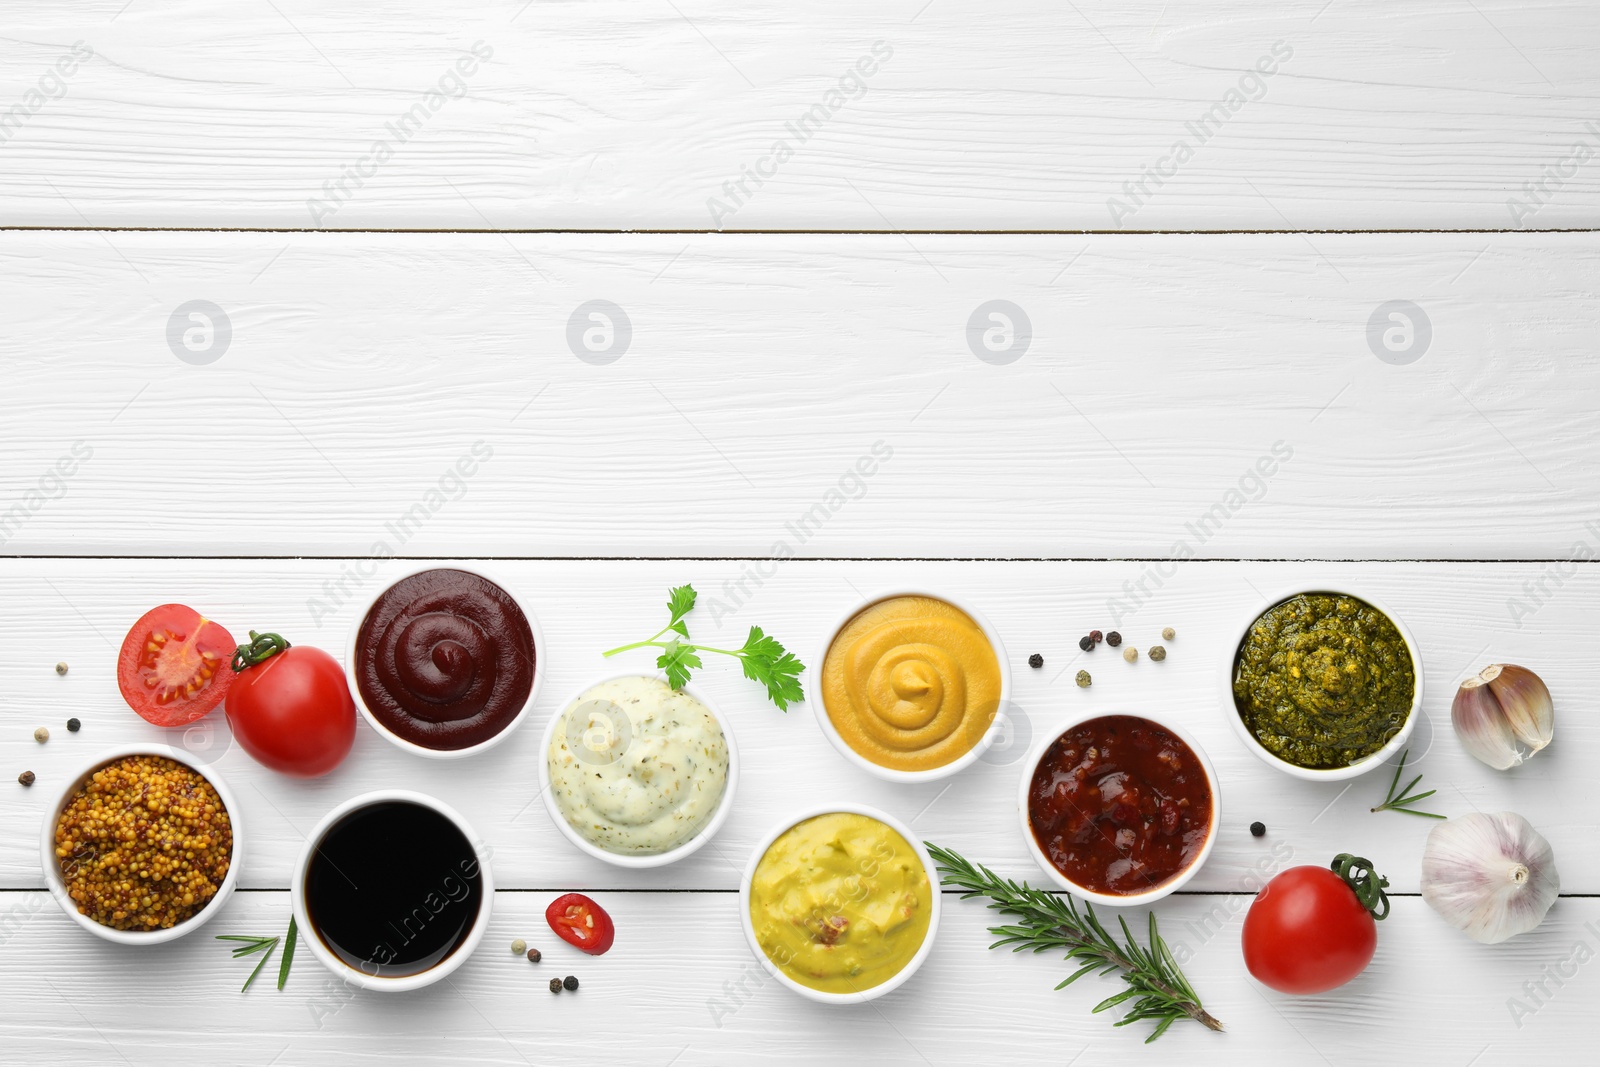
x,y
581,923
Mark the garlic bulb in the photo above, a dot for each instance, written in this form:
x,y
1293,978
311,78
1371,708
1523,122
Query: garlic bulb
x,y
1503,715
1492,876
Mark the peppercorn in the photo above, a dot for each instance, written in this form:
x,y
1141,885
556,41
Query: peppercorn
x,y
518,947
1113,639
61,668
1258,829
570,982
41,735
1157,653
1036,661
1168,633
26,778
1083,679
73,726
1086,642
1130,653
555,985
1096,636
534,955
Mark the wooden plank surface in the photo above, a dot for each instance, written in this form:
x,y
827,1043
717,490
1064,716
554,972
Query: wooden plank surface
x,y
1017,114
682,988
1212,396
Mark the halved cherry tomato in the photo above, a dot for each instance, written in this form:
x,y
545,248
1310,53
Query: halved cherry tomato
x,y
173,665
581,923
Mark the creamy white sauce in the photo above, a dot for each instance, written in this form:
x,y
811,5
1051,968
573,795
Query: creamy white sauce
x,y
637,768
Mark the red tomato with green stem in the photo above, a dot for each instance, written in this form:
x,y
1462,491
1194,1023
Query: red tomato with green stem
x,y
173,665
581,923
1312,929
290,706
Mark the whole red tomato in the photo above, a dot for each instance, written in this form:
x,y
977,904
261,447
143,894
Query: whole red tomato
x,y
290,706
1312,929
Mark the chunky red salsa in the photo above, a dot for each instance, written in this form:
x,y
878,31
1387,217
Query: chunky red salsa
x,y
1120,805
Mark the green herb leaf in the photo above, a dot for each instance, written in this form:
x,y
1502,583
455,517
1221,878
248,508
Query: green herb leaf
x,y
1157,987
1401,799
763,658
677,659
288,953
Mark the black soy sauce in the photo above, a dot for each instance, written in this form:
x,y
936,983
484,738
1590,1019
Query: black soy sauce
x,y
393,888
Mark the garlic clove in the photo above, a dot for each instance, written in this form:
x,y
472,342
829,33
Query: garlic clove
x,y
1503,715
1490,876
1482,727
1526,702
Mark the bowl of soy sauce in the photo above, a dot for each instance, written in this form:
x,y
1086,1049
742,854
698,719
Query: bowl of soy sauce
x,y
392,890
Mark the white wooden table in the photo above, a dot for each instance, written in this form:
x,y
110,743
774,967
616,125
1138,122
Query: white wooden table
x,y
395,273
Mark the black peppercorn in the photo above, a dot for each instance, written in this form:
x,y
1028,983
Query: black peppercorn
x,y
1113,639
1036,661
570,982
26,777
555,985
534,955
1086,642
73,726
1258,829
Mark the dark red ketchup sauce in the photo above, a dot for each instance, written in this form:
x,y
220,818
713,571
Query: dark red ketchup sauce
x,y
1120,805
444,659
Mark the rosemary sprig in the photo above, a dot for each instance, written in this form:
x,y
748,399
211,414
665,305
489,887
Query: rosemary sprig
x,y
249,946
1156,985
1402,800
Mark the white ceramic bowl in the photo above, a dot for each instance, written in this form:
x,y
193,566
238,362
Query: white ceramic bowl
x,y
1171,886
310,939
967,759
58,884
411,746
1312,774
882,988
653,859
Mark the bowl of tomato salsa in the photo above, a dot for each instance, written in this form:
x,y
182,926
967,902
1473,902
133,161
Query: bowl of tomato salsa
x,y
1119,809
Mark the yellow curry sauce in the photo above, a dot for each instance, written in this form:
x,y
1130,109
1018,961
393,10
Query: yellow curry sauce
x,y
911,683
840,903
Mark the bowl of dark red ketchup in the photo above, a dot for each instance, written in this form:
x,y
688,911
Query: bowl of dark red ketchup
x,y
1119,809
445,662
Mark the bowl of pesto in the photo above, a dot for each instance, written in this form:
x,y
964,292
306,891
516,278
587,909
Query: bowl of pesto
x,y
1324,684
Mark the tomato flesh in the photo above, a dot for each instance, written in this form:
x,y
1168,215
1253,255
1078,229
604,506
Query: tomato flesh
x,y
293,712
581,923
173,665
1306,932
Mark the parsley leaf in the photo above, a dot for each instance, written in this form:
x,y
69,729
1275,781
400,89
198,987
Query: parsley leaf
x,y
763,658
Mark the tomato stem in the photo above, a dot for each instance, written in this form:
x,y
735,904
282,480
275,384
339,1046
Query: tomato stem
x,y
261,648
1367,884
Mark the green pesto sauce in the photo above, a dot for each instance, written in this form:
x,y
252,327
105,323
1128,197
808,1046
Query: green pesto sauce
x,y
1323,680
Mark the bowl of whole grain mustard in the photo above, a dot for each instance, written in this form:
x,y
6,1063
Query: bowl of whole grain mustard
x,y
142,847
1323,684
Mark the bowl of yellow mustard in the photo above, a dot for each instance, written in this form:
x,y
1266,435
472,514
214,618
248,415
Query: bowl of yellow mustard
x,y
911,686
840,903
